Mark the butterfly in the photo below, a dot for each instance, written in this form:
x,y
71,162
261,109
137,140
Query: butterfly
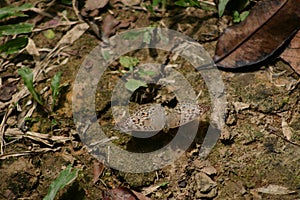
x,y
154,117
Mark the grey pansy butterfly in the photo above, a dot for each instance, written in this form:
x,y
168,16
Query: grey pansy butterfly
x,y
153,117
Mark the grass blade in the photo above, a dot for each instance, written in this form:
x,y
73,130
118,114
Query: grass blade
x,y
14,45
65,177
27,77
55,87
14,29
9,11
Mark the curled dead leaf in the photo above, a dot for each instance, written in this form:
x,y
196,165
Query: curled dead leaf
x,y
6,91
109,25
98,169
292,53
269,26
95,4
119,193
131,2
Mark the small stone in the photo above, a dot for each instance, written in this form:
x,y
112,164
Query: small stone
x,y
204,183
182,184
209,170
226,137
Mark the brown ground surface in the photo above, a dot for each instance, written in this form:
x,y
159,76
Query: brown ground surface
x,y
248,156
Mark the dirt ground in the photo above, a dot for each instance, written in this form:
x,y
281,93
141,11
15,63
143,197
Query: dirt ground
x,y
258,147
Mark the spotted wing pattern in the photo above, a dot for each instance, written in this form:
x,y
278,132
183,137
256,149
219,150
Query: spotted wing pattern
x,y
184,113
148,117
153,117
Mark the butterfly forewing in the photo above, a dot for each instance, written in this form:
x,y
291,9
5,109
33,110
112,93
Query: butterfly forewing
x,y
184,113
146,118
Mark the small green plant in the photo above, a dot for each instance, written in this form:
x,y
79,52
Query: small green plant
x,y
132,83
188,3
236,7
53,124
16,44
129,62
65,177
204,5
55,88
27,77
239,17
30,121
157,4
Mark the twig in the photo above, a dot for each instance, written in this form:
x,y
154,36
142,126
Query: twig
x,y
24,153
275,133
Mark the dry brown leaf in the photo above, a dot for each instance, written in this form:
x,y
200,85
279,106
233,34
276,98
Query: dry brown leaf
x,y
275,190
269,26
140,196
73,34
292,53
6,92
109,25
119,193
98,169
32,50
286,129
95,4
131,2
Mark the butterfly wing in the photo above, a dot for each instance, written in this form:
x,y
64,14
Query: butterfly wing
x,y
184,113
146,118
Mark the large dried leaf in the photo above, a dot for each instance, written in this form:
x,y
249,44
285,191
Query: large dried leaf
x,y
119,193
6,92
270,24
95,4
292,53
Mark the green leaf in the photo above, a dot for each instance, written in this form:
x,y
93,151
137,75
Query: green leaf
x,y
147,37
67,2
17,14
155,3
127,61
65,178
105,54
244,15
221,7
132,35
133,84
163,184
27,77
188,3
14,45
15,29
146,72
9,11
236,17
55,87
49,34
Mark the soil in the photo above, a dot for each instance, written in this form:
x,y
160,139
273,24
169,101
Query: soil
x,y
258,146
